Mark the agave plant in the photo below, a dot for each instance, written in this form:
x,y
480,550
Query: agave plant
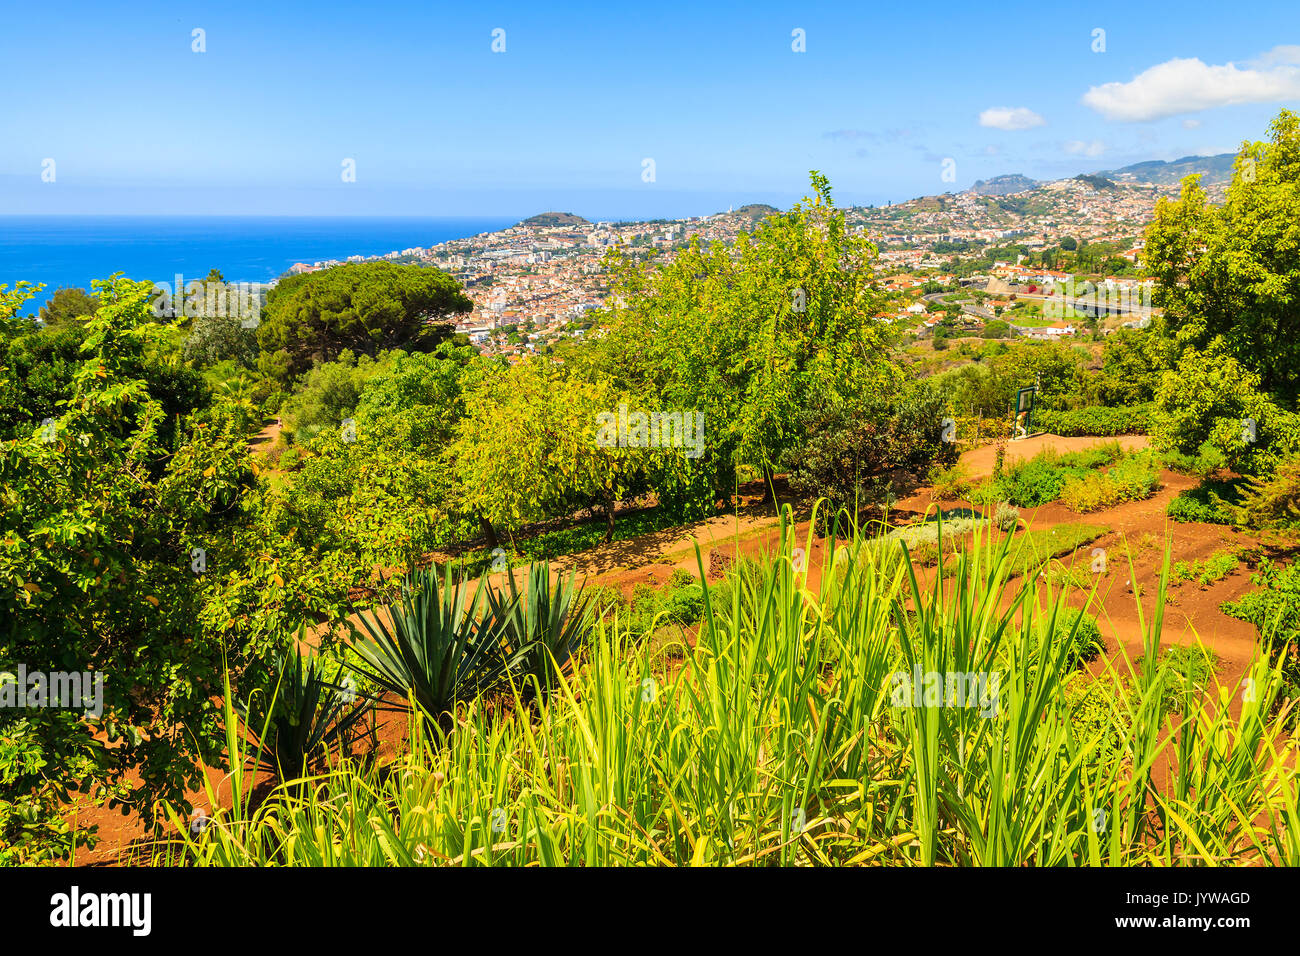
x,y
544,622
434,647
311,718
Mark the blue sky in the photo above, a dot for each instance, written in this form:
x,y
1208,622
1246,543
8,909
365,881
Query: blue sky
x,y
438,124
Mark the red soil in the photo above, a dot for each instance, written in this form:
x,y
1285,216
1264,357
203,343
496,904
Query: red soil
x,y
1139,531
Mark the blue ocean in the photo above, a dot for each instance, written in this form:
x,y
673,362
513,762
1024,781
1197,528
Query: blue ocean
x,y
73,250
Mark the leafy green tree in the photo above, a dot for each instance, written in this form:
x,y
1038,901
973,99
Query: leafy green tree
x,y
67,305
1228,277
327,394
859,449
528,450
1133,361
746,334
366,308
214,339
100,519
1210,400
431,379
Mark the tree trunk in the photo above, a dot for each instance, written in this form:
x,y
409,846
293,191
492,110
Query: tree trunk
x,y
769,489
609,520
489,532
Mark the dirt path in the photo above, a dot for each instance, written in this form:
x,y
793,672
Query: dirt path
x,y
267,437
979,461
1138,530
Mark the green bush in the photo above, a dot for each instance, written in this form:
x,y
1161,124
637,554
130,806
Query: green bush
x,y
1210,502
1274,609
950,484
1134,478
1078,629
1097,420
1033,482
1095,716
1189,672
1214,568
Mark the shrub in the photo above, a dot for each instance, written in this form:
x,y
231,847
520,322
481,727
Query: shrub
x,y
1214,568
312,717
1007,517
852,449
949,484
1210,502
603,600
1097,420
1133,479
1095,716
1204,404
438,647
1033,482
1274,609
1271,502
1185,672
1079,630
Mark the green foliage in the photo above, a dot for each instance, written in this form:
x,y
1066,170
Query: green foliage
x,y
1274,609
327,394
747,335
1132,361
66,305
1039,545
1096,420
639,764
99,518
379,494
546,621
1214,568
987,389
305,719
1077,632
1227,275
1187,673
527,448
854,451
1210,502
1211,399
434,647
1272,502
1095,716
948,484
214,339
366,308
439,647
1134,478
1034,482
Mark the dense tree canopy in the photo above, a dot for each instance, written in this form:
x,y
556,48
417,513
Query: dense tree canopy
x,y
1229,276
747,334
366,308
67,305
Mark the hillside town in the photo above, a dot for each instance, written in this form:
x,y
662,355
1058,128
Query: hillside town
x,y
540,281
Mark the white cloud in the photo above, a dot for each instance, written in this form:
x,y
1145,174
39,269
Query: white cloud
x,y
1188,86
1079,147
1191,123
1008,117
